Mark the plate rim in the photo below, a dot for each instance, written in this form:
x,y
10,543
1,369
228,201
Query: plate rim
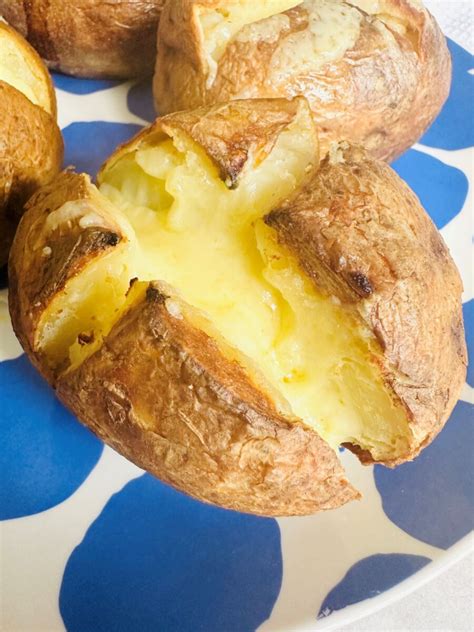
x,y
355,612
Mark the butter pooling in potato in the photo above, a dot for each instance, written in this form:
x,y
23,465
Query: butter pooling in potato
x,y
214,221
212,244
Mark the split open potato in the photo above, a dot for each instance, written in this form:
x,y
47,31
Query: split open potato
x,y
375,72
226,312
31,147
90,38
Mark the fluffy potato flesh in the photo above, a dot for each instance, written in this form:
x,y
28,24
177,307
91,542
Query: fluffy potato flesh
x,y
82,314
20,68
220,24
211,243
80,318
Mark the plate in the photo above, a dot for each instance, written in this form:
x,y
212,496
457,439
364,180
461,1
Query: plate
x,y
91,543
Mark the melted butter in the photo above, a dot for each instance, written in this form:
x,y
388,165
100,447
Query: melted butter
x,y
333,29
211,244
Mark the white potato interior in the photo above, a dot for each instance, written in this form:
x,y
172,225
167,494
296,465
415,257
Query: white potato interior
x,y
211,244
20,68
83,312
75,324
220,24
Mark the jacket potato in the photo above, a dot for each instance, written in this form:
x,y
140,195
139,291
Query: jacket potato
x,y
376,72
90,38
226,311
31,147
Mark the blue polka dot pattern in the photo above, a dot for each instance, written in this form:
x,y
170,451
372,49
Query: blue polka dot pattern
x,y
370,577
468,310
82,86
155,559
432,498
442,189
46,454
140,101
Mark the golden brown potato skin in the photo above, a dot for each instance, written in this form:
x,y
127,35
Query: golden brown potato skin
x,y
383,93
360,232
31,154
230,133
90,38
160,392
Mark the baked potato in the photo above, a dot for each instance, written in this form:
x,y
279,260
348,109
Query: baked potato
x,y
31,147
90,38
226,312
375,72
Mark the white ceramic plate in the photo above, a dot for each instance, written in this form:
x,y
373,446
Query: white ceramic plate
x,y
91,543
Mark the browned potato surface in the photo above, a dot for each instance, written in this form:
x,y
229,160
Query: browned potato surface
x,y
90,38
226,312
375,72
31,147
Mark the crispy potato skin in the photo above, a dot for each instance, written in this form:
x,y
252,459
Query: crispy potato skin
x,y
160,392
90,38
46,255
383,93
31,155
231,134
361,234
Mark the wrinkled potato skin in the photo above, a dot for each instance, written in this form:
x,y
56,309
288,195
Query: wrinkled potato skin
x,y
31,155
90,38
168,397
160,392
229,133
361,234
381,94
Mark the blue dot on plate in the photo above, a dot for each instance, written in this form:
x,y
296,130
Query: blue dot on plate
x,y
370,577
140,100
468,311
442,189
88,145
46,454
157,560
432,498
453,128
82,86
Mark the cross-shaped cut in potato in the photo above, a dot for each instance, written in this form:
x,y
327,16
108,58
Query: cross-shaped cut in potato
x,y
221,273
